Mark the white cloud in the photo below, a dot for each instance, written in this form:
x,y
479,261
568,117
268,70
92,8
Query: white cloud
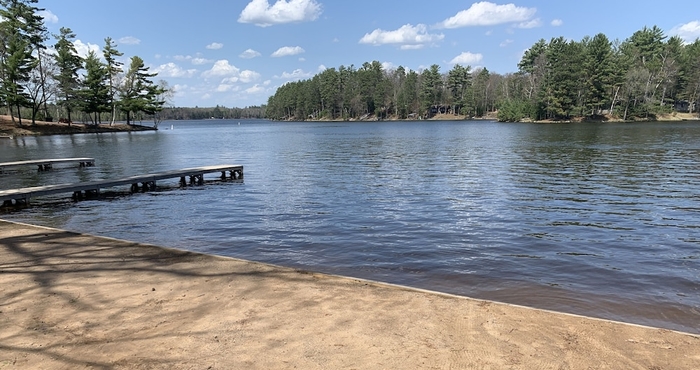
x,y
557,22
196,60
533,23
689,32
249,54
321,68
408,36
200,61
129,40
226,88
411,47
260,13
488,14
387,66
173,70
48,16
215,46
296,74
221,68
467,58
83,49
248,76
287,51
302,59
255,89
231,76
506,43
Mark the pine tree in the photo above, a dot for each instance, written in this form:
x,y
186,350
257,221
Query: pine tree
x,y
110,54
138,93
69,63
95,91
20,31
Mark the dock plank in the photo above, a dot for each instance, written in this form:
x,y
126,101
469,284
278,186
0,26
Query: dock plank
x,y
25,194
47,163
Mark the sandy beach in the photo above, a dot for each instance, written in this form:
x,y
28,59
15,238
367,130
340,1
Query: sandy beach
x,y
71,300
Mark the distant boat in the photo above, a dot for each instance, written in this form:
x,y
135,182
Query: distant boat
x,y
172,127
239,123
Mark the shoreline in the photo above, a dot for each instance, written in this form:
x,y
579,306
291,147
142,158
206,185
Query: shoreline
x,y
76,300
8,130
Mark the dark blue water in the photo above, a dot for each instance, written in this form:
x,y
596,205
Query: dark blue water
x,y
594,219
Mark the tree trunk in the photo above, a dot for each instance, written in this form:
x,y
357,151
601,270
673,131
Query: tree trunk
x,y
19,114
612,105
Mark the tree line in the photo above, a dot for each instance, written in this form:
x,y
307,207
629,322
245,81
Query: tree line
x,y
56,83
645,75
217,112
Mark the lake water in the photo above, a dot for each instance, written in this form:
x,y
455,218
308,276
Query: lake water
x,y
594,219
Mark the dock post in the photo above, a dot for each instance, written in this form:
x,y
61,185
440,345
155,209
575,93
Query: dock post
x,y
183,182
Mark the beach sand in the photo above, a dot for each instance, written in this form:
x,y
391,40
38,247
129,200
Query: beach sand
x,y
70,301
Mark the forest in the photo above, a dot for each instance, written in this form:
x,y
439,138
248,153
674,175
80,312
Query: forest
x,y
52,82
643,76
217,112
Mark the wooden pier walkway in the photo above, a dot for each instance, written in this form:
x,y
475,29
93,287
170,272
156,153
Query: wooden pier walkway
x,y
46,164
138,183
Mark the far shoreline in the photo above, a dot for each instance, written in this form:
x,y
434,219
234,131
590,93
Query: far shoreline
x,y
8,129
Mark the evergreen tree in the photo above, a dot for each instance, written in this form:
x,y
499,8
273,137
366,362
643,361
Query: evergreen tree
x,y
20,31
69,63
110,54
408,102
458,83
598,73
431,89
94,94
138,92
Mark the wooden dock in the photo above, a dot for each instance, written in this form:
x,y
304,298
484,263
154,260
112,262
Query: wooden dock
x,y
138,183
47,164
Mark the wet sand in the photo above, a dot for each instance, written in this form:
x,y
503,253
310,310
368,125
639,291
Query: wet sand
x,y
71,300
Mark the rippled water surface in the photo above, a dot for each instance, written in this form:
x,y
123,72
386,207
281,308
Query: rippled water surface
x,y
594,219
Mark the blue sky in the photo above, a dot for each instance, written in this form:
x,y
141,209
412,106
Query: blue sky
x,y
236,53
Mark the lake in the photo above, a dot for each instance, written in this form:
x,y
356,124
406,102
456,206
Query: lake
x,y
595,219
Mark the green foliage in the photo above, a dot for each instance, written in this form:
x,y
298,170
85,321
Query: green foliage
x,y
94,94
69,63
516,111
139,93
21,31
113,68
